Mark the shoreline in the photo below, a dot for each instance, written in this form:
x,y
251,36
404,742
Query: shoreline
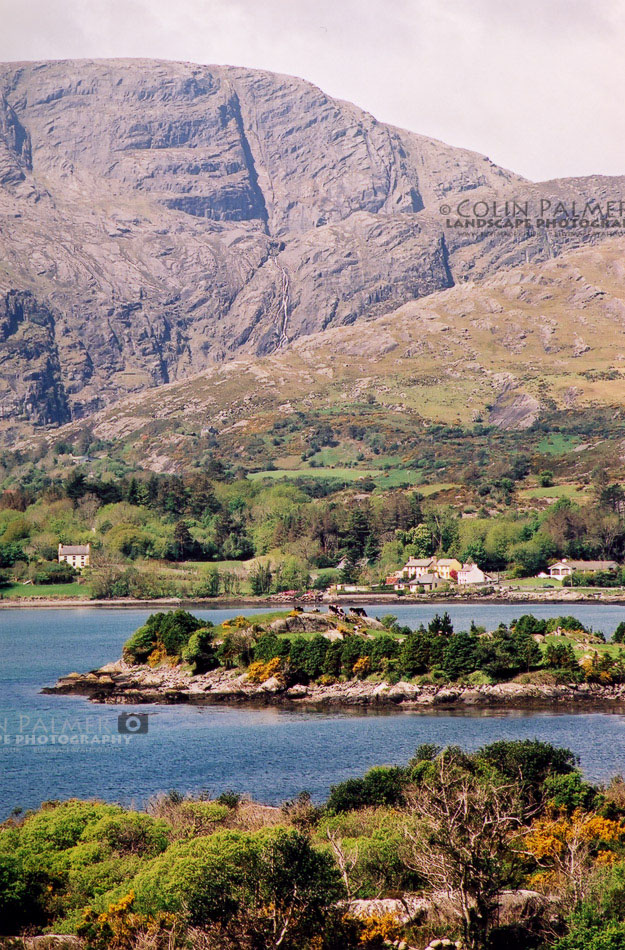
x,y
120,683
230,603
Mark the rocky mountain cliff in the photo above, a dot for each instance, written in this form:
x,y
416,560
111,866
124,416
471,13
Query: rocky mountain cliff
x,y
159,217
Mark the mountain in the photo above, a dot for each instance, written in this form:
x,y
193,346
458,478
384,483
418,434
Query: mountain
x,y
532,342
157,218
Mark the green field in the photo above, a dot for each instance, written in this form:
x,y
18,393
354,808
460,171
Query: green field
x,y
535,583
383,478
558,444
397,477
574,492
17,591
582,649
343,474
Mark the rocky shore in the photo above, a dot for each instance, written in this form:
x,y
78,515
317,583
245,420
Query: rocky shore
x,y
119,683
508,595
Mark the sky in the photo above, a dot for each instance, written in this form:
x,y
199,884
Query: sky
x,y
536,85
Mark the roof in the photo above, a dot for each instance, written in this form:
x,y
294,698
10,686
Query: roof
x,y
586,565
419,561
74,548
424,579
448,560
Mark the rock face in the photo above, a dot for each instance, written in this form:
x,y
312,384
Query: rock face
x,y
168,215
30,372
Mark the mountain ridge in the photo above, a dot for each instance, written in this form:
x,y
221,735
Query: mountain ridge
x,y
169,216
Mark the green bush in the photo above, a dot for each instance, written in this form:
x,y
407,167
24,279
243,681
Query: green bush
x,y
55,573
569,792
382,785
207,878
59,826
22,895
199,652
528,762
172,630
139,646
129,832
619,634
589,932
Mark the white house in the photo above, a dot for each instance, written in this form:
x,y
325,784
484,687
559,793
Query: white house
x,y
78,555
472,574
565,568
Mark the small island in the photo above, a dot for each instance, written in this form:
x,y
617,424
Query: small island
x,y
344,658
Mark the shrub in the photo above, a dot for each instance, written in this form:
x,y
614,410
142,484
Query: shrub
x,y
139,646
59,826
382,785
199,652
269,646
565,623
54,573
569,792
619,634
206,876
173,630
587,931
560,656
530,625
297,890
528,762
362,667
129,833
119,927
22,895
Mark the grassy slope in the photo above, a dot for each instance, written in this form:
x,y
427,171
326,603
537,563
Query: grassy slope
x,y
553,333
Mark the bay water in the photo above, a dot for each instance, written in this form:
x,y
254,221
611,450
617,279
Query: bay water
x,y
58,747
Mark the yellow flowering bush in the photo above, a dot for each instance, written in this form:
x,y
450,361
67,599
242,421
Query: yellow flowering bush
x,y
376,930
362,667
260,671
118,927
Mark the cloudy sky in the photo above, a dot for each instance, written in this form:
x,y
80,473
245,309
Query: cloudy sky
x,y
535,84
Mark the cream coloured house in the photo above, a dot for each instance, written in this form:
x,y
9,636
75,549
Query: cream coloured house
x,y
416,566
78,555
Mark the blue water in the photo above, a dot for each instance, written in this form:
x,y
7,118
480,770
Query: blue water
x,y
271,754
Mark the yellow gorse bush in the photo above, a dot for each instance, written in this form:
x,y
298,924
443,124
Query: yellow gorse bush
x,y
567,846
362,666
260,671
117,928
374,930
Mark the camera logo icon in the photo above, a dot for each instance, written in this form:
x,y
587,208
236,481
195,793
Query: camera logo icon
x,y
133,724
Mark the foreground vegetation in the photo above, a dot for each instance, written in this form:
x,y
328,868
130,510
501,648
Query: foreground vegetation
x,y
461,831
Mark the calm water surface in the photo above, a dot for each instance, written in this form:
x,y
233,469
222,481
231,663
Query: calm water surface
x,y
271,754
